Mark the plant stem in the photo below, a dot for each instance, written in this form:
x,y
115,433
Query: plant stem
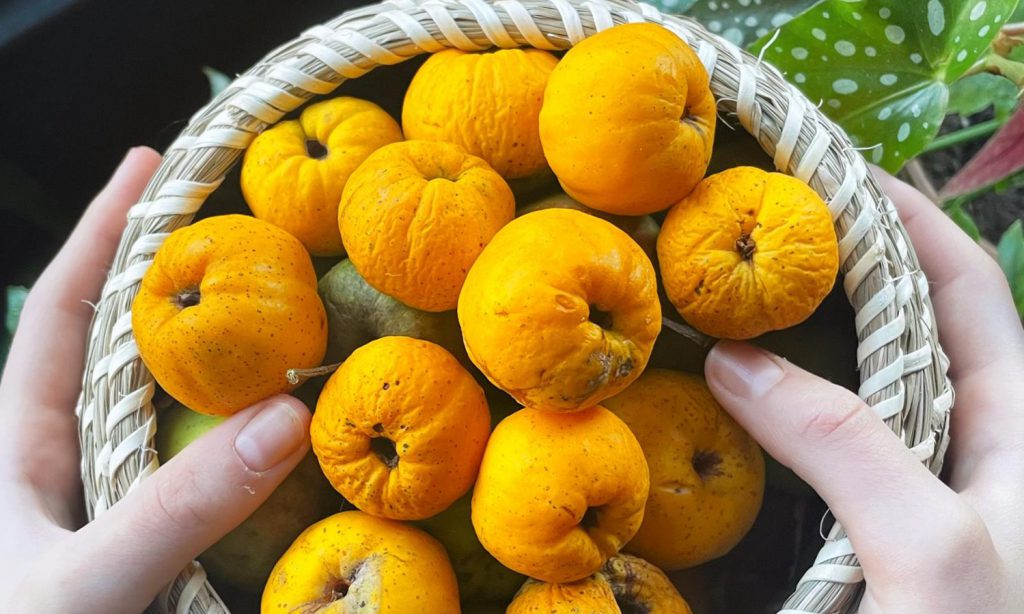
x,y
920,179
298,376
970,133
689,333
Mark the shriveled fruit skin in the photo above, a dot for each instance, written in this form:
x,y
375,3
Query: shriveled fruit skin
x,y
487,103
354,562
358,313
628,120
228,306
591,595
400,428
707,473
559,493
295,189
748,252
560,310
624,584
415,216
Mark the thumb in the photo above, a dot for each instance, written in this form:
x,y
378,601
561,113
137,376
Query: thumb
x,y
836,443
187,505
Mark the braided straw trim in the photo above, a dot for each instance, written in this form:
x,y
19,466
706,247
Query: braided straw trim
x,y
903,369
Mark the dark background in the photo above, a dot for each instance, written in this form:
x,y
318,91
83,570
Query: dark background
x,y
85,80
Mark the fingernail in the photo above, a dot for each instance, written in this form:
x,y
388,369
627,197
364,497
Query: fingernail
x,y
271,436
744,370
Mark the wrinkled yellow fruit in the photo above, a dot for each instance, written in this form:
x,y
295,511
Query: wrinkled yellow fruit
x,y
748,252
297,190
629,120
354,562
486,103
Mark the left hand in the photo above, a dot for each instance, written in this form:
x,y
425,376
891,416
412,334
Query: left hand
x,y
49,562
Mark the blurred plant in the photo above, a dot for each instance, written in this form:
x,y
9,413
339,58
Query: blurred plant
x,y
13,300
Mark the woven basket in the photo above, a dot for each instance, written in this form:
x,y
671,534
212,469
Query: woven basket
x,y
902,367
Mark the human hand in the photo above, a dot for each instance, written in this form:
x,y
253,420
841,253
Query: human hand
x,y
119,562
924,546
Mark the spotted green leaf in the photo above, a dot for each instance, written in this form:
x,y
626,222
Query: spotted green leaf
x,y
675,7
882,68
1011,258
744,21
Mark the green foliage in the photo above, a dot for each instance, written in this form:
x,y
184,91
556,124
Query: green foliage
x,y
218,81
742,21
882,68
978,92
1011,258
963,219
15,300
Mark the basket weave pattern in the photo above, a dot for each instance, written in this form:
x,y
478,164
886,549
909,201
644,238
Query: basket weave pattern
x,y
902,367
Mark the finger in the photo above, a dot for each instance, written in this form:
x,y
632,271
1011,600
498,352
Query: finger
x,y
980,330
204,492
42,377
976,316
886,500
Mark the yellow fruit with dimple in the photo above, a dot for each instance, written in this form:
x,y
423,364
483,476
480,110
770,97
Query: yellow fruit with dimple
x,y
624,585
559,493
486,103
748,252
354,562
707,473
293,173
560,310
628,120
415,216
228,306
400,428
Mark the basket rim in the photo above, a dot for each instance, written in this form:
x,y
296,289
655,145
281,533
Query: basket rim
x,y
902,366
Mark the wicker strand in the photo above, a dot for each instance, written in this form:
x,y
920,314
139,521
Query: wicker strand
x,y
903,368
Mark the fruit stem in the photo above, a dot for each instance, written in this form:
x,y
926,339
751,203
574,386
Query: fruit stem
x,y
745,246
689,333
187,298
299,376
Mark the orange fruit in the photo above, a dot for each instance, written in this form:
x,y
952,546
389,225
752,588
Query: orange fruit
x,y
748,252
628,120
228,306
400,428
707,473
415,216
297,189
486,103
559,493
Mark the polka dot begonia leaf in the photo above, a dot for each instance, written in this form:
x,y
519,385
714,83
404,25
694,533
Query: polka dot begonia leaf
x,y
741,22
882,68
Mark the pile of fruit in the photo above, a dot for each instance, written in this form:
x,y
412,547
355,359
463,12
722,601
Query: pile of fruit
x,y
456,311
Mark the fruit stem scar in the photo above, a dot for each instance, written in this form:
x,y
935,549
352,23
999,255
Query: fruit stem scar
x,y
189,297
589,520
315,149
600,317
385,450
745,246
707,464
